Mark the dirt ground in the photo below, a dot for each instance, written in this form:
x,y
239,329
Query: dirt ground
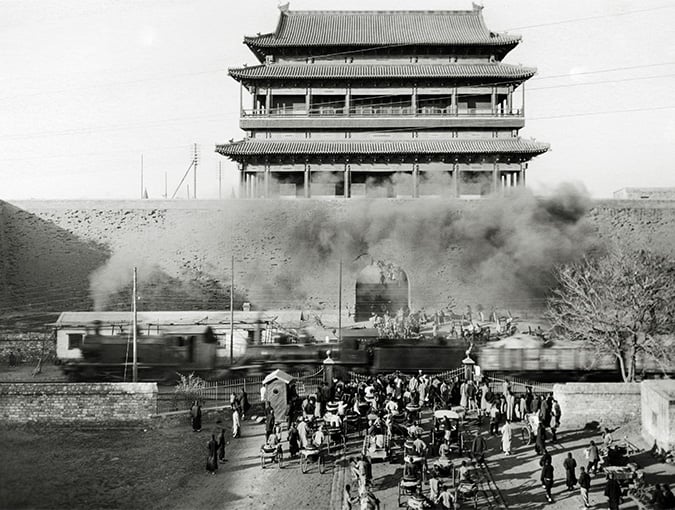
x,y
96,468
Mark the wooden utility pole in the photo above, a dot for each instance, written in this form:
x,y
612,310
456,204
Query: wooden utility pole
x,y
232,313
194,187
141,176
135,329
340,303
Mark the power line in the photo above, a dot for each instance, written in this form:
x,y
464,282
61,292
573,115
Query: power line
x,y
607,112
588,18
623,68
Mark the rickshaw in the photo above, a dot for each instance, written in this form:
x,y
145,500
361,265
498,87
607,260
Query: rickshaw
x,y
354,422
271,454
376,447
410,484
312,454
438,431
528,432
335,437
466,492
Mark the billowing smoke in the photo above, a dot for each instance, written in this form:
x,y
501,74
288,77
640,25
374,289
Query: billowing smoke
x,y
115,276
506,245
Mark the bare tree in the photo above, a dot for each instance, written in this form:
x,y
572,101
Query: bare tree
x,y
622,303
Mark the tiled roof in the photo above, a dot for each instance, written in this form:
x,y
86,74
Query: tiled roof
x,y
379,28
248,147
353,71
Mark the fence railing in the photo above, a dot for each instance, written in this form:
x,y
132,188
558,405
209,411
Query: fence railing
x,y
215,393
518,385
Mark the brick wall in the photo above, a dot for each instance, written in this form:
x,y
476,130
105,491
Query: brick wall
x,y
27,347
610,404
658,413
94,403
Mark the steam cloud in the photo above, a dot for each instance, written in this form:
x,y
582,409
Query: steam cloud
x,y
507,245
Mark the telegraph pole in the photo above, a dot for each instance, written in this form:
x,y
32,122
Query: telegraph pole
x,y
135,328
340,303
194,187
232,313
141,176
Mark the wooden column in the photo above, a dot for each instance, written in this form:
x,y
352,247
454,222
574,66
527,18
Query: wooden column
x,y
416,180
348,100
308,99
522,174
413,100
254,100
307,181
509,100
268,101
267,181
495,176
348,181
493,100
453,99
456,177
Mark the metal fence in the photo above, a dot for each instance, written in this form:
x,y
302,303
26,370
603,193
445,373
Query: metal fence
x,y
217,393
518,385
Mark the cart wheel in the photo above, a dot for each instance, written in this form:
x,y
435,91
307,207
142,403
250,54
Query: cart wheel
x,y
303,464
399,494
526,436
262,461
280,458
322,465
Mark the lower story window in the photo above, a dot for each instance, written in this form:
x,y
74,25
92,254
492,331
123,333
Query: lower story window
x,y
75,340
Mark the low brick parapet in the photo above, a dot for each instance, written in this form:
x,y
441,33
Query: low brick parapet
x,y
610,404
77,402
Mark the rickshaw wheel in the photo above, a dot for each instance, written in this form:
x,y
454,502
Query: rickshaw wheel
x,y
303,464
322,465
280,458
262,461
399,494
525,435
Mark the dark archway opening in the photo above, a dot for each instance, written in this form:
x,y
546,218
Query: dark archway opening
x,y
380,289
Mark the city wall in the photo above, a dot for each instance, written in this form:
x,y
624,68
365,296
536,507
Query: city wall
x,y
610,404
63,403
50,249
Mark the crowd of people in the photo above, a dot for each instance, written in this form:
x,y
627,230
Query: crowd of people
x,y
389,408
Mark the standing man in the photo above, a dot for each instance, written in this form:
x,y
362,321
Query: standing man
x,y
584,486
547,479
196,416
507,436
570,476
269,420
613,492
593,458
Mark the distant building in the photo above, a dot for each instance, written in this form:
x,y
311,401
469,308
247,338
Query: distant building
x,y
645,194
381,104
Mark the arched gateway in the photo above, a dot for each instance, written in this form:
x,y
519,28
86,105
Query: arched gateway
x,y
380,288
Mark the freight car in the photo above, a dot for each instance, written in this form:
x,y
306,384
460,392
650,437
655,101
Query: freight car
x,y
159,357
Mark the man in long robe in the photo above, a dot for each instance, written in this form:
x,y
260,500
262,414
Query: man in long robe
x,y
507,436
212,459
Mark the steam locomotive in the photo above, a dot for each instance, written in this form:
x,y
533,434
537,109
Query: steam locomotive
x,y
160,357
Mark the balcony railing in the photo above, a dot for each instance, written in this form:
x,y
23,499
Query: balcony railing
x,y
380,111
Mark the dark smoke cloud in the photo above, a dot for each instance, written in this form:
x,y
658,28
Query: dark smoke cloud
x,y
507,244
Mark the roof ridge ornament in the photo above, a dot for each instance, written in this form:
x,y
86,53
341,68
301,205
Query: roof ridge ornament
x,y
284,8
476,7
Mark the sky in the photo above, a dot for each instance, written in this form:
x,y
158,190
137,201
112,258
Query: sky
x,y
89,88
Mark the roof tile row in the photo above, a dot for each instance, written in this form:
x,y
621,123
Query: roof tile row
x,y
381,28
248,147
355,71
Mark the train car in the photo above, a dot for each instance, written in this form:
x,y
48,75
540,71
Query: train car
x,y
159,357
